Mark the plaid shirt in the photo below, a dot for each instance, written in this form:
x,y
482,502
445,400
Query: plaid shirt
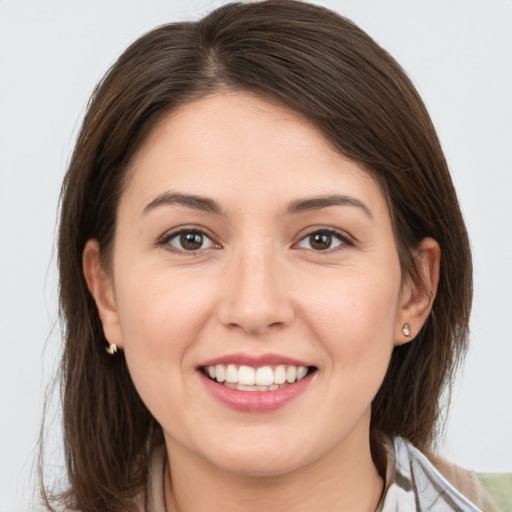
x,y
413,484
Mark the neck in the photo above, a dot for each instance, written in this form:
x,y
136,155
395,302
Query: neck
x,y
345,477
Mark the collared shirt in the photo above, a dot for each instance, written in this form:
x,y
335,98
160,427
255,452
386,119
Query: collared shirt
x,y
413,484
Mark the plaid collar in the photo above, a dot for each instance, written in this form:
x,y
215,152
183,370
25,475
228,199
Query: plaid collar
x,y
413,484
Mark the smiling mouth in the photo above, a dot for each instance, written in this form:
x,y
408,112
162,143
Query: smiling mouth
x,y
263,378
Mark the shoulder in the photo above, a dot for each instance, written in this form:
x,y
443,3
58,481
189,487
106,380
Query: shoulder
x,y
467,482
416,482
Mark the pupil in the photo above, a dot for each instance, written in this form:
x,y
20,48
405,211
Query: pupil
x,y
321,241
191,241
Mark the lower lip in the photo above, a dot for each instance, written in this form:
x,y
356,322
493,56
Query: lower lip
x,y
256,401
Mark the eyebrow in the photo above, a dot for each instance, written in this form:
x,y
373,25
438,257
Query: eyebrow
x,y
297,207
317,203
200,203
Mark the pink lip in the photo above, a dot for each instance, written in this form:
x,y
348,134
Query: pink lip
x,y
254,361
255,401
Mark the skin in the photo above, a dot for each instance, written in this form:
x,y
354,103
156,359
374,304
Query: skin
x,y
257,285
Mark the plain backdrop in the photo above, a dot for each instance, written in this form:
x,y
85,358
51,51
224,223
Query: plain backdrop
x,y
52,53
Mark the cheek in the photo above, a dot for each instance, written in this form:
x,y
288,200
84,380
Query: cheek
x,y
354,318
161,317
159,308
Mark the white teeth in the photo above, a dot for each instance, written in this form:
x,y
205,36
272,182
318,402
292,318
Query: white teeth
x,y
280,375
301,372
242,387
265,378
232,373
220,373
291,374
246,375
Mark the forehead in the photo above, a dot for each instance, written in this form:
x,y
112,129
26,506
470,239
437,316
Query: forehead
x,y
233,145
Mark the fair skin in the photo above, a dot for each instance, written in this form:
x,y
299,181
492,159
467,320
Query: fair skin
x,y
241,232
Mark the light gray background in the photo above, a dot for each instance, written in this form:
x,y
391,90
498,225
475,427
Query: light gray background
x,y
52,53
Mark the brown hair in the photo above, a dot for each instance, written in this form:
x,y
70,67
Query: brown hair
x,y
328,70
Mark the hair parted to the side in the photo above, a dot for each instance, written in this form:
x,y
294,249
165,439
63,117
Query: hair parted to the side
x,y
325,68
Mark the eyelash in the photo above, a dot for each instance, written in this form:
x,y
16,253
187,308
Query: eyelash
x,y
343,239
341,236
166,239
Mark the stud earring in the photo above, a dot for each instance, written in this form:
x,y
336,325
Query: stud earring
x,y
111,349
406,329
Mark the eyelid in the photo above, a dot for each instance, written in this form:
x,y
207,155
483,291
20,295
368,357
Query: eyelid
x,y
345,239
164,240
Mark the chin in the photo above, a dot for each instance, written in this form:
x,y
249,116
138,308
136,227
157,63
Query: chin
x,y
264,459
259,466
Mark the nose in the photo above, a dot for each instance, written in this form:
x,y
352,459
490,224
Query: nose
x,y
256,298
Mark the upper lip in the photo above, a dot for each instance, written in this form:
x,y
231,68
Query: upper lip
x,y
254,361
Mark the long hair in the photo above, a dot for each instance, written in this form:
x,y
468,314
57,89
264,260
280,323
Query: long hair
x,y
332,73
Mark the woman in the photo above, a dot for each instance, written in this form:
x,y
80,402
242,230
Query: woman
x,y
265,275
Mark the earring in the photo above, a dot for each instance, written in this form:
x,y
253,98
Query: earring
x,y
111,349
406,329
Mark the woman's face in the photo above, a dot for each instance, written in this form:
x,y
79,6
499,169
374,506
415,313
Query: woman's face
x,y
246,246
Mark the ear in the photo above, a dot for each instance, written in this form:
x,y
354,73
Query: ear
x,y
417,298
101,287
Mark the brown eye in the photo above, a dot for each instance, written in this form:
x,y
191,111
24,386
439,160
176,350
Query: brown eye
x,y
323,240
189,241
320,241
